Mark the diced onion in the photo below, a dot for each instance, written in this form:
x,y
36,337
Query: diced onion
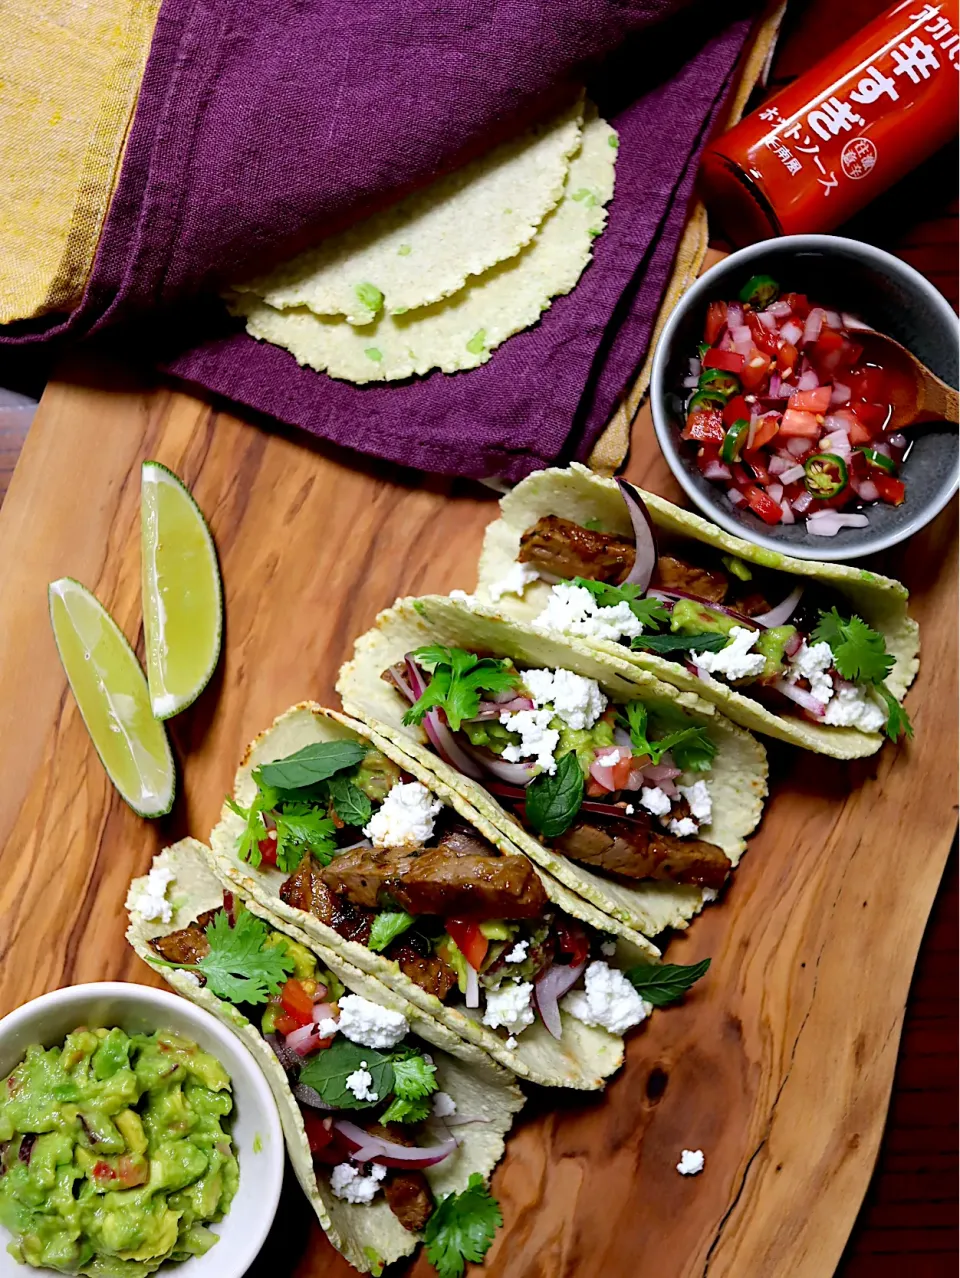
x,y
786,514
777,465
802,698
832,318
801,503
768,320
695,368
811,329
776,492
736,497
798,445
472,993
808,380
838,442
734,316
791,332
779,310
792,475
827,523
866,489
688,383
839,395
717,470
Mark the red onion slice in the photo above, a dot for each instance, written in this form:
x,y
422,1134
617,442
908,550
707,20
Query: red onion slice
x,y
550,986
659,772
494,709
304,1040
793,644
511,773
806,700
782,613
641,574
367,1148
472,994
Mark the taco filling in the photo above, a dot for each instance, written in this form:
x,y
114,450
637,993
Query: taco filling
x,y
795,647
613,786
376,857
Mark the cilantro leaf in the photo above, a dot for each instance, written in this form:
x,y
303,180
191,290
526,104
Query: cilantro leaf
x,y
315,762
413,1077
680,643
462,1228
650,612
663,983
406,1111
458,679
328,1071
248,847
859,653
387,926
349,802
898,721
552,802
302,828
691,747
239,966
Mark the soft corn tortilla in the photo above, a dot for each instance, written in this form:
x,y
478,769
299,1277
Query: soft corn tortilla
x,y
738,780
367,1234
461,331
585,1055
578,494
428,245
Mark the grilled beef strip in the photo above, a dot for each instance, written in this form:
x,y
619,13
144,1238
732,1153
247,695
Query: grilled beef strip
x,y
306,890
407,1192
429,971
565,549
676,574
189,944
637,850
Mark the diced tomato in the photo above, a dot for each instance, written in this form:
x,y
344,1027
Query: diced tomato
x,y
325,1142
755,371
859,433
297,1002
593,789
736,409
891,489
828,343
716,319
729,361
787,356
799,423
799,303
103,1171
740,477
756,464
765,339
705,424
471,942
762,504
870,384
285,1024
572,941
132,1171
620,772
268,848
767,428
811,401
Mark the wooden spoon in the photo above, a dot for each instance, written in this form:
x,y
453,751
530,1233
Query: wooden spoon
x,y
917,394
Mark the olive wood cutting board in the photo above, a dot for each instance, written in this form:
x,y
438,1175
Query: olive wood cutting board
x,y
779,1065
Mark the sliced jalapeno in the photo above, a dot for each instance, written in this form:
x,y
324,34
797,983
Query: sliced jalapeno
x,y
825,475
702,348
706,399
734,441
759,291
880,460
719,380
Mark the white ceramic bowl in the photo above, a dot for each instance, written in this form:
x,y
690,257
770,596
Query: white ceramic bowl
x,y
856,277
255,1129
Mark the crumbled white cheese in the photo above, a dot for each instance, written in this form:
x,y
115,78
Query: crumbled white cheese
x,y
683,827
514,581
537,739
369,1024
326,1028
405,818
709,895
511,1043
629,809
813,664
347,1182
509,1006
654,800
360,1082
735,661
608,947
443,1105
854,706
462,596
149,900
608,999
577,701
698,797
518,953
691,1162
573,610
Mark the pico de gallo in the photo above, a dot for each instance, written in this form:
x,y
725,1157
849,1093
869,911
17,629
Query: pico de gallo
x,y
789,414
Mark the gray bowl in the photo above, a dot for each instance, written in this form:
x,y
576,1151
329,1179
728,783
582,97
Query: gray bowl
x,y
855,277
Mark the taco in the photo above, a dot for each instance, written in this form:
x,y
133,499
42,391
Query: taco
x,y
384,1112
630,793
377,860
819,655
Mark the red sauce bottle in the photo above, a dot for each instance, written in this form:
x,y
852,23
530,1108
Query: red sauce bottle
x,y
827,144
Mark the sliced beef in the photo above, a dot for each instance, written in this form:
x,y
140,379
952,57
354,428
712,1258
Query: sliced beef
x,y
407,1192
306,890
677,574
189,944
565,549
429,971
636,850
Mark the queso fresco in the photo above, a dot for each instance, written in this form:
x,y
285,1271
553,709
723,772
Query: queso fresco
x,y
113,1153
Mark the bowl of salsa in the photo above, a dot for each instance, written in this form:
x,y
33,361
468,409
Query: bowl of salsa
x,y
774,407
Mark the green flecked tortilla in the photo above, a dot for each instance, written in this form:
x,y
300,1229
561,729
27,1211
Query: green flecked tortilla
x,y
578,494
737,782
582,1058
428,245
368,1235
462,330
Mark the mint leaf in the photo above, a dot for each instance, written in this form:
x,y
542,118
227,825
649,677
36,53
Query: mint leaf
x,y
387,926
315,762
650,612
349,802
859,652
552,802
462,1228
663,983
328,1071
458,679
680,643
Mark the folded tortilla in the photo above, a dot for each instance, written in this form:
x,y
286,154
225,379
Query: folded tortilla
x,y
576,493
368,1235
585,1055
738,778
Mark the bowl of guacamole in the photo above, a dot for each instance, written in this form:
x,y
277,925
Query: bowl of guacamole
x,y
137,1134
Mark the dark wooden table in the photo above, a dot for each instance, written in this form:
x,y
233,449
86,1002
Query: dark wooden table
x,y
909,1217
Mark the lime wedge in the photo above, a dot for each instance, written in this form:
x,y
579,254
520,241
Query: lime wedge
x,y
182,599
111,692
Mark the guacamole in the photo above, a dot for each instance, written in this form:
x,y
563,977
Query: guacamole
x,y
113,1154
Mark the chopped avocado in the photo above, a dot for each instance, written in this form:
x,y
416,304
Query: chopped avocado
x,y
497,929
477,343
376,776
370,296
404,250
583,741
304,963
490,734
692,618
737,567
771,644
374,353
450,952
